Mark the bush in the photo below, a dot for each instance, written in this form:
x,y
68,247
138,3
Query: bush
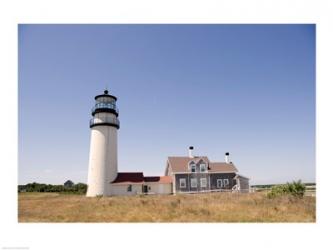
x,y
79,188
296,189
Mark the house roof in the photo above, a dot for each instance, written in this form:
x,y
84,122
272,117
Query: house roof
x,y
222,167
129,177
138,178
158,179
180,164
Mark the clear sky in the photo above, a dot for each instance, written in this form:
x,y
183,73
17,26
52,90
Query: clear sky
x,y
245,89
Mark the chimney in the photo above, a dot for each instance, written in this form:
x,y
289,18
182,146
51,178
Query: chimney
x,y
190,152
226,157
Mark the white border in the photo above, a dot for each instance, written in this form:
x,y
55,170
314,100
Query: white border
x,y
164,236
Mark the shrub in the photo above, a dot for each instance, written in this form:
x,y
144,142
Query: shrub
x,y
79,188
296,189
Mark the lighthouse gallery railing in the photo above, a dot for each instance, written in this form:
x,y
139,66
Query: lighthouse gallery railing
x,y
106,120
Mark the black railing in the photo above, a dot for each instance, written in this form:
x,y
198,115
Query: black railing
x,y
112,121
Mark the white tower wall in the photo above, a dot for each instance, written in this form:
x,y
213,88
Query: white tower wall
x,y
103,162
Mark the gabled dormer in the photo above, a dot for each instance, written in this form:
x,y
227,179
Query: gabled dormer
x,y
203,166
198,165
192,167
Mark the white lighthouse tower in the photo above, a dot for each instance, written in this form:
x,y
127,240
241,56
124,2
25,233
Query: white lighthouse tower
x,y
103,165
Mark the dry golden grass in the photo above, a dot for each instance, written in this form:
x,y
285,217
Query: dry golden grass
x,y
211,207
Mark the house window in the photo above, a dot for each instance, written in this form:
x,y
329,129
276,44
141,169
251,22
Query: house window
x,y
129,188
203,182
182,183
226,182
203,167
193,168
194,183
219,183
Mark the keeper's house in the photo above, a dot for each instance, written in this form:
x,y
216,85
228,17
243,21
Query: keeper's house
x,y
193,174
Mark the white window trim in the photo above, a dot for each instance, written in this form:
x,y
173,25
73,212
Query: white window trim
x,y
205,167
193,166
219,181
192,183
225,182
205,180
182,181
190,164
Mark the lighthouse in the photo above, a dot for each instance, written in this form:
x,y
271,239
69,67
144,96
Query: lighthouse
x,y
103,165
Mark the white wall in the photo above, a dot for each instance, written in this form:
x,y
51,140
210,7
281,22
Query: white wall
x,y
121,189
155,188
102,160
159,188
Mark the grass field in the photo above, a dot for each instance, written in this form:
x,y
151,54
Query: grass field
x,y
211,207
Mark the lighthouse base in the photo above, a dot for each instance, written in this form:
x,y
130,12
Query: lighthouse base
x,y
102,160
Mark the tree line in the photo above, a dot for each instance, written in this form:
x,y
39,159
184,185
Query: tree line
x,y
272,185
79,188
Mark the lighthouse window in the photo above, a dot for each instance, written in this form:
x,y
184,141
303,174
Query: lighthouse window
x,y
110,105
202,167
129,188
193,168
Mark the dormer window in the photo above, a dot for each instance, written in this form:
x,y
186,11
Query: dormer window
x,y
192,167
203,167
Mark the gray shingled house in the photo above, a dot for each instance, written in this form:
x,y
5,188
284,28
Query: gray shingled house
x,y
194,174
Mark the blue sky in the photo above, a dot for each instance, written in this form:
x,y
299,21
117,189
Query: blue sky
x,y
245,89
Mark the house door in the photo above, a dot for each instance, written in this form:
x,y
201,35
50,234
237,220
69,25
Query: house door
x,y
145,188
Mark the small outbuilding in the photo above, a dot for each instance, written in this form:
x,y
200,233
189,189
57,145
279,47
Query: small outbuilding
x,y
132,183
